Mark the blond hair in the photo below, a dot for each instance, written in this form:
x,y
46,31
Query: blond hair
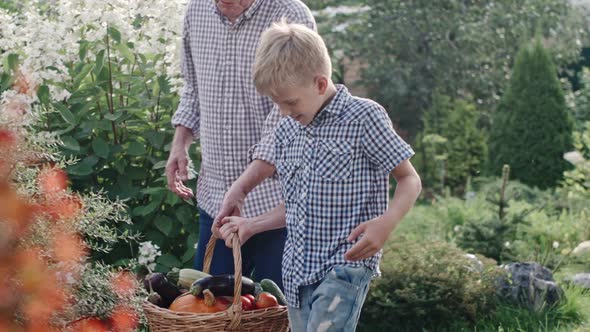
x,y
289,55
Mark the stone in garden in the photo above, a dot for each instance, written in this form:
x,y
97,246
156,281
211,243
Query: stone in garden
x,y
530,285
580,280
475,263
582,249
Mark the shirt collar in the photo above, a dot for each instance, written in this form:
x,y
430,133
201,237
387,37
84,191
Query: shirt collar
x,y
246,15
336,105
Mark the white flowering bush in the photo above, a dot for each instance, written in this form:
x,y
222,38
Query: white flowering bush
x,y
106,77
148,253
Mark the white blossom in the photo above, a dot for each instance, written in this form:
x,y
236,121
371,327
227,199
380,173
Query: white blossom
x,y
148,253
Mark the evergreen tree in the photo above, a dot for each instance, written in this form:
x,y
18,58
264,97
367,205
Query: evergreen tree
x,y
451,137
532,128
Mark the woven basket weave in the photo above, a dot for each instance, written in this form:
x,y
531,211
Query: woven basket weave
x,y
273,319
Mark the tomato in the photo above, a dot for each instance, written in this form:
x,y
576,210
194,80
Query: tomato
x,y
250,297
266,300
247,304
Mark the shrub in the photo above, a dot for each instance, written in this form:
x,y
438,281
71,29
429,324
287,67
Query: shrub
x,y
427,284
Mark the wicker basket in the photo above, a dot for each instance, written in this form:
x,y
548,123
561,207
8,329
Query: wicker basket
x,y
273,319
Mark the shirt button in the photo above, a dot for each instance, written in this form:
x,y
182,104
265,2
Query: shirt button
x,y
299,249
301,221
303,195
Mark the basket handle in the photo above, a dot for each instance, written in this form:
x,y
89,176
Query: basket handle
x,y
235,311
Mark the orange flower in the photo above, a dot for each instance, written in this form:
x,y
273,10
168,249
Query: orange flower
x,y
89,325
52,180
124,319
68,247
124,284
65,207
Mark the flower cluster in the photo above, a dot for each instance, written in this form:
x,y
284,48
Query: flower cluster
x,y
49,40
148,253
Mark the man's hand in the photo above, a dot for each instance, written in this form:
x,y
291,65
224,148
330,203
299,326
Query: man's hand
x,y
231,206
238,225
177,165
374,234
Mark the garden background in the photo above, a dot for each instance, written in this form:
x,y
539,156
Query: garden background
x,y
494,96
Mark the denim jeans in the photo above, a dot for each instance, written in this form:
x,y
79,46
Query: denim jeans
x,y
332,304
261,254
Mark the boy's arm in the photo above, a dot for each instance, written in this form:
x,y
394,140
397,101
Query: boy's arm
x,y
376,231
247,227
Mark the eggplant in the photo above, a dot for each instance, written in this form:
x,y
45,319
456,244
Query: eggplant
x,y
157,282
221,285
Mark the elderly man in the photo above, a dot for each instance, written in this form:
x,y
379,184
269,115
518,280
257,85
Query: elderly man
x,y
220,107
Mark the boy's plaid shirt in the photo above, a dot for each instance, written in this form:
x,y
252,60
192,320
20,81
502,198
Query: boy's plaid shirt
x,y
219,102
334,175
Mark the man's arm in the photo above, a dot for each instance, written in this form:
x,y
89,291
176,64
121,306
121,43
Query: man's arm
x,y
247,227
186,120
376,231
233,201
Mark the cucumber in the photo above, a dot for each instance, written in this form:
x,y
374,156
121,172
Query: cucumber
x,y
271,287
185,277
222,285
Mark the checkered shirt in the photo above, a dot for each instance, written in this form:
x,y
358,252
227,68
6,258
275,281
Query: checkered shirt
x,y
334,176
219,102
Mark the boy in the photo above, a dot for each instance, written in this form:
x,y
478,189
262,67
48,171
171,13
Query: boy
x,y
333,155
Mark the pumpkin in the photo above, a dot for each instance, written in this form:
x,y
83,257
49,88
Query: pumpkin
x,y
187,302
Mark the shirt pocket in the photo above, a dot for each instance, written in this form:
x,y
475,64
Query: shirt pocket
x,y
334,160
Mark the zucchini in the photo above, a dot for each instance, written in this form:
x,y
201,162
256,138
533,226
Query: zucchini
x,y
222,285
185,277
257,289
271,287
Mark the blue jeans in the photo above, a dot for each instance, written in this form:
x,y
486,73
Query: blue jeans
x,y
333,303
261,255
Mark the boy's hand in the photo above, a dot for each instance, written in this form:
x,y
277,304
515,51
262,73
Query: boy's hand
x,y
232,204
374,234
240,226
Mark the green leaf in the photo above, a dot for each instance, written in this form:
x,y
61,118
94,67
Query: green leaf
x,y
43,94
192,240
164,224
113,116
136,149
156,138
169,261
11,62
65,113
188,256
160,164
70,143
90,161
99,63
80,169
114,33
82,75
153,191
126,52
100,147
83,50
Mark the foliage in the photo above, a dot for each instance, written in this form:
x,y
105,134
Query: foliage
x,y
451,126
109,91
580,101
409,50
427,284
532,127
48,230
